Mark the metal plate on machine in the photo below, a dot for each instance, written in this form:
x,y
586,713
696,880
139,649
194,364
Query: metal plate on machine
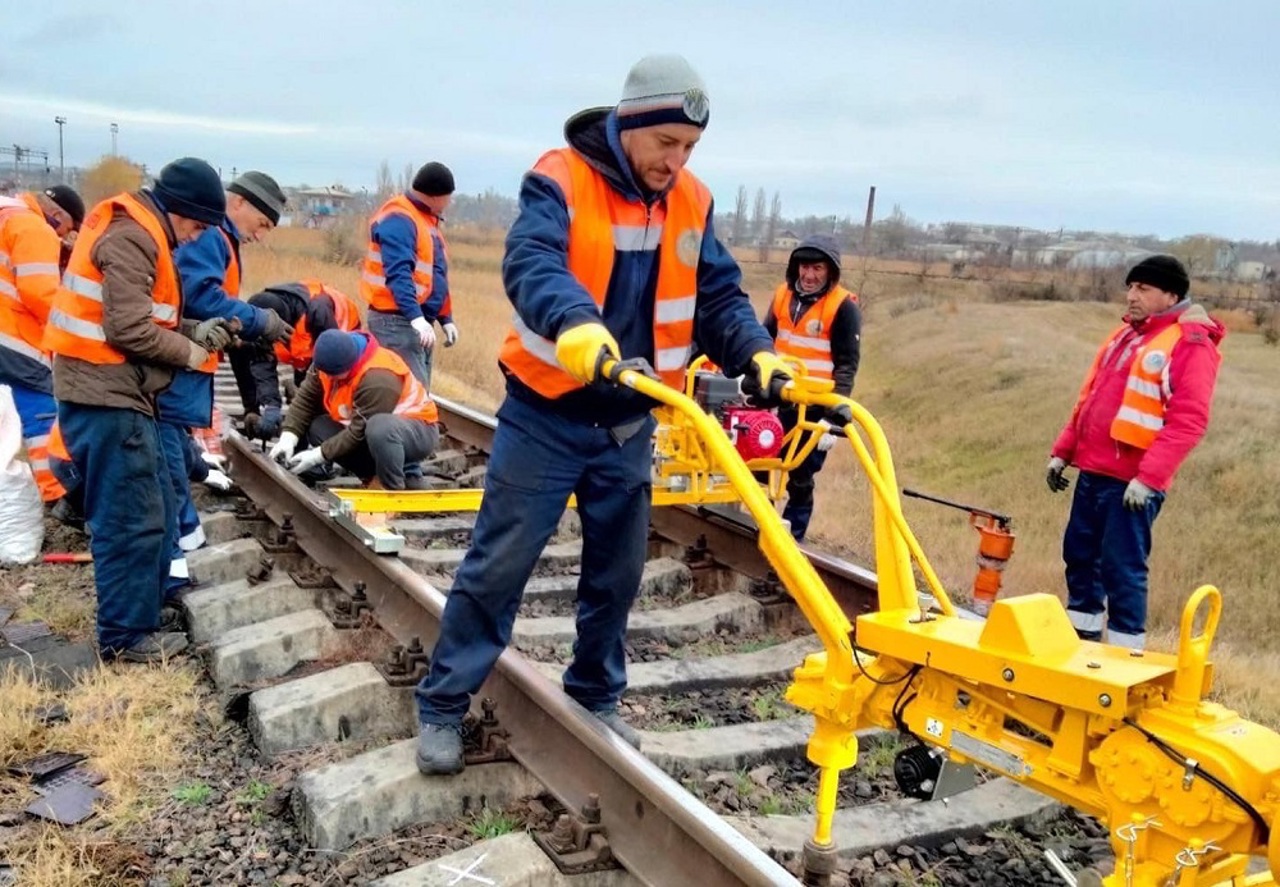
x,y
990,755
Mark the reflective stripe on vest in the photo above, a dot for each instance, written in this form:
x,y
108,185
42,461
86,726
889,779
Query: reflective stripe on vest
x,y
603,223
1146,389
26,240
414,402
302,344
808,339
75,323
373,282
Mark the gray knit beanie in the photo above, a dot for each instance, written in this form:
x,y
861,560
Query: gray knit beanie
x,y
262,191
663,89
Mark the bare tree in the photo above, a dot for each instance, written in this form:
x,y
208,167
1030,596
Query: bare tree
x,y
386,184
740,217
775,223
758,216
406,177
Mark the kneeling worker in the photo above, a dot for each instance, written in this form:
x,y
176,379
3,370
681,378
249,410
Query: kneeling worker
x,y
310,307
360,406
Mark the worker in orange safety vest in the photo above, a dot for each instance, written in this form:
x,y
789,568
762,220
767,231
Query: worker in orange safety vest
x,y
33,229
360,406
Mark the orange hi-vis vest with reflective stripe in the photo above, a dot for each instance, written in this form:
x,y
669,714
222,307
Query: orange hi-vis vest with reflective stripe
x,y
373,282
29,253
808,339
75,323
339,394
1146,390
302,344
57,445
601,222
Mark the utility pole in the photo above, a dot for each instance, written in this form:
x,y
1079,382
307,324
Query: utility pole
x,y
115,129
866,226
62,165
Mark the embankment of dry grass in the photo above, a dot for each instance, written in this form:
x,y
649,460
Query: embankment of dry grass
x,y
134,724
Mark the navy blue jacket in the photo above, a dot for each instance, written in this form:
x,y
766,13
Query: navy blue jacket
x,y
549,298
202,266
398,237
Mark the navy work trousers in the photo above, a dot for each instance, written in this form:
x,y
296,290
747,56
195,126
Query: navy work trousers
x,y
185,532
1105,549
538,460
128,509
800,481
393,330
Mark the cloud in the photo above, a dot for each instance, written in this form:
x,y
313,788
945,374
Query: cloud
x,y
71,28
38,107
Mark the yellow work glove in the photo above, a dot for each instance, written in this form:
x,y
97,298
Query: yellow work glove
x,y
769,366
578,349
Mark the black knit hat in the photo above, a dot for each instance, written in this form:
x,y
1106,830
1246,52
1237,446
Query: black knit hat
x,y
67,199
434,180
190,188
262,192
1162,272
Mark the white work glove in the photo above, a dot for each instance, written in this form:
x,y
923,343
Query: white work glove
x,y
218,480
1137,495
283,450
1053,475
828,440
450,334
213,460
306,460
426,335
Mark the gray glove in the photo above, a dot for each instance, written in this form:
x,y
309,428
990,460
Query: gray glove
x,y
1137,495
196,356
275,329
213,334
1053,475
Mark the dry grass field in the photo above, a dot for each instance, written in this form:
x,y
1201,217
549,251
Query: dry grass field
x,y
971,384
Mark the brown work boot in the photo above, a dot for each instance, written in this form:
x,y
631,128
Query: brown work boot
x,y
155,647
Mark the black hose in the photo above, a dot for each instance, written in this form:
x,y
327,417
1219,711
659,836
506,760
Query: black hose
x,y
1194,767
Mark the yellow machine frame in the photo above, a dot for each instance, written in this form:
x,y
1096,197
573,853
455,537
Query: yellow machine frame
x,y
1188,789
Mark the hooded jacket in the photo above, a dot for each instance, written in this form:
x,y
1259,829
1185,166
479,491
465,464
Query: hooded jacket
x,y
549,299
846,328
1086,440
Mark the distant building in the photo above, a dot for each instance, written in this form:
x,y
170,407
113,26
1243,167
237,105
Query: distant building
x,y
1106,257
949,252
1253,272
788,239
313,206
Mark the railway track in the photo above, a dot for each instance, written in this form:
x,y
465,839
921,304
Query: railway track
x,y
712,642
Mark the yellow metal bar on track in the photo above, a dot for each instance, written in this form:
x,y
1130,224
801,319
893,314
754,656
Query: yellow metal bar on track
x,y
450,500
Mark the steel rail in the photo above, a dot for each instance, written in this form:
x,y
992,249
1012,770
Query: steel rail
x,y
656,829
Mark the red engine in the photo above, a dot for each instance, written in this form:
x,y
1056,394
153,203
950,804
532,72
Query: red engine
x,y
756,433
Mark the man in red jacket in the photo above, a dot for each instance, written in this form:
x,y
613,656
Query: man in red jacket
x,y
1143,407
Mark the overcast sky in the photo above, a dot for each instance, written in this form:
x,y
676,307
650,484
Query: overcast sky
x,y
1143,117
